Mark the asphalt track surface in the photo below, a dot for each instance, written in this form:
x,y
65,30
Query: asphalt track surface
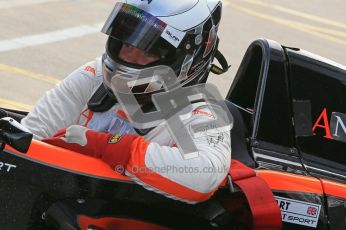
x,y
42,41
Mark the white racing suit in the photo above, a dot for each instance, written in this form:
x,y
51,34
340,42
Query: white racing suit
x,y
156,163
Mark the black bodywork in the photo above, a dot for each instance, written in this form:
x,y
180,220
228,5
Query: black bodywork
x,y
277,96
283,91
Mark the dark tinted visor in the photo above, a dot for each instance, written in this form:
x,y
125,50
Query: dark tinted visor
x,y
138,28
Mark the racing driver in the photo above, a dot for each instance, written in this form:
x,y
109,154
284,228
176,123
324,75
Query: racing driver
x,y
82,113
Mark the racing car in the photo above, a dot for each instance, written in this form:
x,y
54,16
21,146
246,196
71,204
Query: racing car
x,y
289,136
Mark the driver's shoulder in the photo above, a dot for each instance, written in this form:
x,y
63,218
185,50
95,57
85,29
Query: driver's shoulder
x,y
92,69
86,76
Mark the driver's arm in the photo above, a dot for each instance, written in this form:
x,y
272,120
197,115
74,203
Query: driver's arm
x,y
163,169
158,167
61,106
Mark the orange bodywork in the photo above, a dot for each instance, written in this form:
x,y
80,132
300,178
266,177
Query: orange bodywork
x,y
71,161
307,184
334,189
290,182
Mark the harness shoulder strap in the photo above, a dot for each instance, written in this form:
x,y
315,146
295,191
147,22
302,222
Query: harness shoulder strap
x,y
266,214
101,101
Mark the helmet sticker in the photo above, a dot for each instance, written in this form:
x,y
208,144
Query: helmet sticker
x,y
173,36
211,41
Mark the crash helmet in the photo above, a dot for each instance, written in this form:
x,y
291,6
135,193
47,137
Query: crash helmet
x,y
182,34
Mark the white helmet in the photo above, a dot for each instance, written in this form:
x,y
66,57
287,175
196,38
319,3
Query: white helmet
x,y
182,33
